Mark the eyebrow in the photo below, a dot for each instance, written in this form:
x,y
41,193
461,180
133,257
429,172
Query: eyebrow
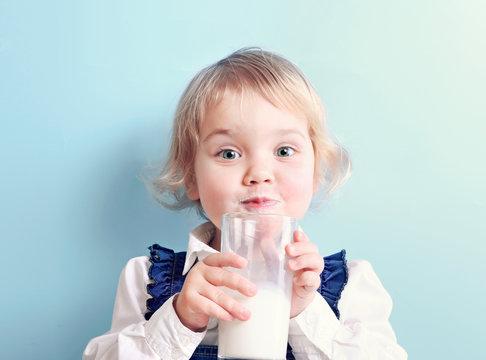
x,y
291,131
216,132
229,132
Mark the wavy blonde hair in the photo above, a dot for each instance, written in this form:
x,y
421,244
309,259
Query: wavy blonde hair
x,y
275,79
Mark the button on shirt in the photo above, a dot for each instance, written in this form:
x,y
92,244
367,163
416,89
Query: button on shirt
x,y
362,332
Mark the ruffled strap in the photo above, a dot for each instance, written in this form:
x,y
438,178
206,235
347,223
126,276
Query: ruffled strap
x,y
210,352
333,279
166,274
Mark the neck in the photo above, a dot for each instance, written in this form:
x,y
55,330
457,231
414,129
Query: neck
x,y
215,242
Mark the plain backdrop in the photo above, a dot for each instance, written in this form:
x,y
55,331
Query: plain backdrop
x,y
87,94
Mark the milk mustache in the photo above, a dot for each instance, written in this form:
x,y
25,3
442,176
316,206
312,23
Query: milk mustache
x,y
261,337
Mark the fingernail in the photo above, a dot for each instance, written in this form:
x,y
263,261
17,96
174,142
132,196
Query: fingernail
x,y
251,289
245,314
243,262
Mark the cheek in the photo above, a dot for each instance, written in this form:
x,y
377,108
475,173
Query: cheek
x,y
213,203
210,191
299,188
301,185
215,194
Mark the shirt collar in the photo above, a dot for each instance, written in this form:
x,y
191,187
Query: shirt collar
x,y
198,247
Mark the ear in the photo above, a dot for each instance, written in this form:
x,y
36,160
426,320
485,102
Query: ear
x,y
192,190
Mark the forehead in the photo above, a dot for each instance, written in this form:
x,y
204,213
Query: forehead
x,y
240,108
251,119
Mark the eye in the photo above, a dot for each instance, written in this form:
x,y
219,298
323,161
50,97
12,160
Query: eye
x,y
285,151
229,154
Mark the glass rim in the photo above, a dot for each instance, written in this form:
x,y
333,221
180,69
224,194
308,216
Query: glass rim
x,y
249,216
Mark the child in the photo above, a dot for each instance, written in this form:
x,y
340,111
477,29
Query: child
x,y
249,136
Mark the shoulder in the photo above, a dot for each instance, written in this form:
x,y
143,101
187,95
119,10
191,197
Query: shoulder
x,y
364,290
142,264
131,294
361,271
136,269
360,267
140,269
137,263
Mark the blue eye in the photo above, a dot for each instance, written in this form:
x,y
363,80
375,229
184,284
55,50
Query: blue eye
x,y
229,154
285,151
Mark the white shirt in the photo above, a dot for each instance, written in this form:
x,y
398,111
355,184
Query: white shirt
x,y
362,332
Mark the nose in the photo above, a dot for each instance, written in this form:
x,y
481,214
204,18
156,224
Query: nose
x,y
258,173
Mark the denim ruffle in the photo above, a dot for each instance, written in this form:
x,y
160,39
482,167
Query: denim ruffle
x,y
166,273
333,279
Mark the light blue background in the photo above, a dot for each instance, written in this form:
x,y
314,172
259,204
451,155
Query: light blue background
x,y
87,93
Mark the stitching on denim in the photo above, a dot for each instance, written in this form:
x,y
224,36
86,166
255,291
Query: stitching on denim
x,y
152,279
173,275
214,348
322,278
207,351
345,265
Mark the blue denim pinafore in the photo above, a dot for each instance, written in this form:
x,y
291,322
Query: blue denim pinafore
x,y
166,274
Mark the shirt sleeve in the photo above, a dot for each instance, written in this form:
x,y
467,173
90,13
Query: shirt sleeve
x,y
363,330
131,336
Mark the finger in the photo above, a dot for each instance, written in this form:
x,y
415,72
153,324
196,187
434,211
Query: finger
x,y
225,259
212,309
221,277
300,248
226,302
307,280
309,262
268,248
300,236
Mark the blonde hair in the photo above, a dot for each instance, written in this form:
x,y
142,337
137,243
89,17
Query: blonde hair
x,y
275,79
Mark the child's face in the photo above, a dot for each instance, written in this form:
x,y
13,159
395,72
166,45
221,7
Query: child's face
x,y
253,157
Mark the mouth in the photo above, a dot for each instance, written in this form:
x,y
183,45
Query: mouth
x,y
258,202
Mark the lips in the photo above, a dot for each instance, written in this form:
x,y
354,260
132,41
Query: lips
x,y
258,202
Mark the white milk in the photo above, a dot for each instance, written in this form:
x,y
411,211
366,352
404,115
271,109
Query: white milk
x,y
264,335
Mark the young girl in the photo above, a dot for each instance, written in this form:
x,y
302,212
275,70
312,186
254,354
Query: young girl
x,y
249,136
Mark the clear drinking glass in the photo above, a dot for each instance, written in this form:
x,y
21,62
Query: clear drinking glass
x,y
261,239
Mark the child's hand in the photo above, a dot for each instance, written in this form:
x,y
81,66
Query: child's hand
x,y
201,297
307,265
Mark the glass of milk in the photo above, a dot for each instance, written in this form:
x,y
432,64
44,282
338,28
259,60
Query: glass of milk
x,y
261,239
